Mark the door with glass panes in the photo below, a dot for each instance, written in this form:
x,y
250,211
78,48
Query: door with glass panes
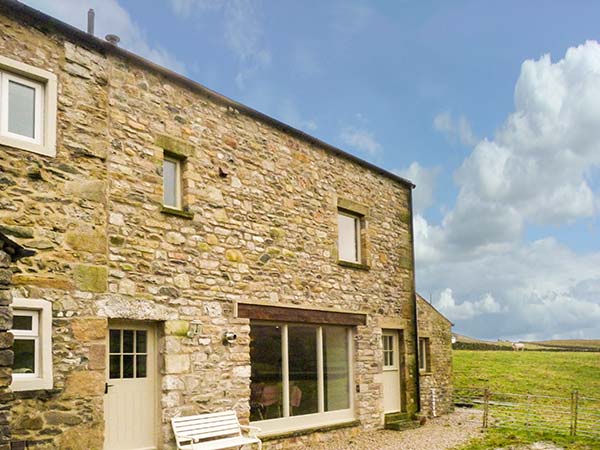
x,y
130,389
391,372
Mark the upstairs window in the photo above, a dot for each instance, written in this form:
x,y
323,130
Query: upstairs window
x,y
349,244
27,107
22,103
172,182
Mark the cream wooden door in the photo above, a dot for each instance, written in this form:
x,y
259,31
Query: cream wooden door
x,y
130,394
391,372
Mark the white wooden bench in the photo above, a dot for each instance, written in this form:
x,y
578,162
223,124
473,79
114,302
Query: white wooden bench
x,y
212,432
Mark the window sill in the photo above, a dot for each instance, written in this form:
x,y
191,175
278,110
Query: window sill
x,y
305,431
44,150
353,265
425,373
31,384
176,212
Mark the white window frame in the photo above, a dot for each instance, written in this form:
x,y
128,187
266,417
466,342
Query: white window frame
x,y
357,238
321,418
42,333
178,182
45,85
38,130
424,350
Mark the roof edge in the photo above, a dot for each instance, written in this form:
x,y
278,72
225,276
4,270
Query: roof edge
x,y
419,297
18,10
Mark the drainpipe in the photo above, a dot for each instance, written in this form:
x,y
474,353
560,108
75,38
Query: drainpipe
x,y
414,299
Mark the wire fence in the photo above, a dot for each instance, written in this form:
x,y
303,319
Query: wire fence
x,y
571,415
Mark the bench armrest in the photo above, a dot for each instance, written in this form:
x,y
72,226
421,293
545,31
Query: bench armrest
x,y
251,429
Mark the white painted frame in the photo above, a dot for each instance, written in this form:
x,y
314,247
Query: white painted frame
x,y
357,238
321,418
424,356
178,182
42,378
45,114
38,88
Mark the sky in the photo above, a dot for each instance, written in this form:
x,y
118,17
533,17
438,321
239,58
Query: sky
x,y
491,108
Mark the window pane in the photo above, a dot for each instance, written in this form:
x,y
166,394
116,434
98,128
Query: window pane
x,y
141,366
347,238
170,183
21,109
302,357
115,366
22,323
140,341
115,341
127,341
24,350
336,369
265,380
127,366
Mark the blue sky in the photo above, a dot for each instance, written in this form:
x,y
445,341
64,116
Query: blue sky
x,y
458,96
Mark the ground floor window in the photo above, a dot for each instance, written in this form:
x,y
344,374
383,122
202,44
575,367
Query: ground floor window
x,y
301,374
424,355
32,347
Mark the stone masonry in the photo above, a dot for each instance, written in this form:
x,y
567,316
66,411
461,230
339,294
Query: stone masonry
x,y
259,225
435,383
6,354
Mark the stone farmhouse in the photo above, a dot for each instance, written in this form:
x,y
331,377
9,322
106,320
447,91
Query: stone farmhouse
x,y
191,255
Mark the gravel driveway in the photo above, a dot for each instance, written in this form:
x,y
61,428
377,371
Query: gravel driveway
x,y
437,434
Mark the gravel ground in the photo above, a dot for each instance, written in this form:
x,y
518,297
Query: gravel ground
x,y
440,433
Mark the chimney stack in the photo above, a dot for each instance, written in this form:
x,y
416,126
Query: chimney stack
x,y
91,16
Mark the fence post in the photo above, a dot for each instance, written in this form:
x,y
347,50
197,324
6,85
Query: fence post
x,y
575,410
486,406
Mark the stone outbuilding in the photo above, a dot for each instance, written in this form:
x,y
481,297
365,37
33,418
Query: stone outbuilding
x,y
192,255
435,360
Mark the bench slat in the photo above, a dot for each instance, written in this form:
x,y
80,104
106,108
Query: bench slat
x,y
210,431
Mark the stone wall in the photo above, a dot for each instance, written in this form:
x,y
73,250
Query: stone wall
x,y
260,225
6,354
435,384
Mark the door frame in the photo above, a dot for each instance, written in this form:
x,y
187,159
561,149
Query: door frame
x,y
400,354
153,336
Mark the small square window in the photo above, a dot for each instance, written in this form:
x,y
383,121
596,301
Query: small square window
x,y
32,347
172,183
349,237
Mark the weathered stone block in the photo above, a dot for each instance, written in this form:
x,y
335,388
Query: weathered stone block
x,y
90,278
6,340
84,383
234,255
89,329
93,190
16,231
93,241
6,358
62,418
177,328
97,357
42,281
177,364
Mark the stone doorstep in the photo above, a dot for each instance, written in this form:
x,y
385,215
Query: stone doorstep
x,y
400,421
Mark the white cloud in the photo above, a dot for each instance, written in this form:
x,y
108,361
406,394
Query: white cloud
x,y
424,178
360,139
243,32
467,309
540,168
111,18
452,128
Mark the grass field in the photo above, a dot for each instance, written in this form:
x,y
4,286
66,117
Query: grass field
x,y
543,373
529,372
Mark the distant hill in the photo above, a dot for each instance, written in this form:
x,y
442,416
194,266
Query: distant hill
x,y
573,345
